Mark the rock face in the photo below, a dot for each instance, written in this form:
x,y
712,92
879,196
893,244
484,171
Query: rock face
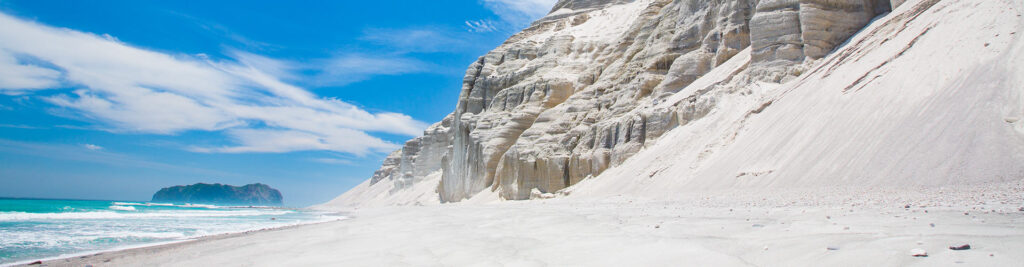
x,y
220,194
896,3
417,158
588,86
791,30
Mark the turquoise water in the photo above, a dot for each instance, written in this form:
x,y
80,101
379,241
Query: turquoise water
x,y
45,228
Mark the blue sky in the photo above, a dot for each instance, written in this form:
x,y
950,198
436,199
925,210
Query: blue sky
x,y
116,99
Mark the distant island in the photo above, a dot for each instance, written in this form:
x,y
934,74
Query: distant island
x,y
220,194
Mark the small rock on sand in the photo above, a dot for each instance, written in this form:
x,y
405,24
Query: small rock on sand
x,y
917,252
832,248
36,263
961,247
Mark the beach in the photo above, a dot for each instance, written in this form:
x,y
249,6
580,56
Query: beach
x,y
582,133
740,228
106,257
33,229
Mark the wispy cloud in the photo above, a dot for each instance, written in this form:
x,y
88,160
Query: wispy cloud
x,y
519,13
483,25
97,156
92,147
220,30
419,39
339,70
20,126
281,69
17,78
350,68
333,161
273,141
137,90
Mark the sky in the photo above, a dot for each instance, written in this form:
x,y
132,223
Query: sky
x,y
115,99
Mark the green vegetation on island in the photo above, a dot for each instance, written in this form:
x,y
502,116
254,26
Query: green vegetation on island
x,y
220,194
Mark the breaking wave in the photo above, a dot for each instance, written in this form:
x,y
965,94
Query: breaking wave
x,y
122,208
24,216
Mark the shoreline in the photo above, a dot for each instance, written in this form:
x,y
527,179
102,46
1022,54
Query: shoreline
x,y
740,230
821,226
103,256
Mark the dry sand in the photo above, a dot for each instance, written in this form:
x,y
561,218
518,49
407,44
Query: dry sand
x,y
740,228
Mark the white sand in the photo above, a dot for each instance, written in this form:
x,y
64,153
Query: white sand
x,y
832,162
769,228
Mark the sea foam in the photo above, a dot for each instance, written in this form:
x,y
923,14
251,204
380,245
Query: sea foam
x,y
122,208
23,216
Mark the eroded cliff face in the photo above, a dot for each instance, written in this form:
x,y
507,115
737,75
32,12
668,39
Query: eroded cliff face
x,y
418,158
588,86
792,30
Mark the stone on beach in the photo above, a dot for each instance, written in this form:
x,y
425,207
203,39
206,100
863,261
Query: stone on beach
x,y
961,247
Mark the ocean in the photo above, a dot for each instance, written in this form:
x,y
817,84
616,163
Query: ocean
x,y
32,229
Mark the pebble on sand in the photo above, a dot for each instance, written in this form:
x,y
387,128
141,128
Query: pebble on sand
x,y
917,252
961,247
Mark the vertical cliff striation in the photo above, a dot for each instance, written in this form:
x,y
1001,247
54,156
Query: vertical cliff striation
x,y
595,81
792,30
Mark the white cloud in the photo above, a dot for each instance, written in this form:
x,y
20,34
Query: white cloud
x,y
137,90
483,25
277,68
420,39
520,13
138,109
19,126
346,68
333,161
350,68
276,141
92,147
97,156
17,78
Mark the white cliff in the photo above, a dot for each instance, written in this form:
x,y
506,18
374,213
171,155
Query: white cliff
x,y
927,97
717,94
